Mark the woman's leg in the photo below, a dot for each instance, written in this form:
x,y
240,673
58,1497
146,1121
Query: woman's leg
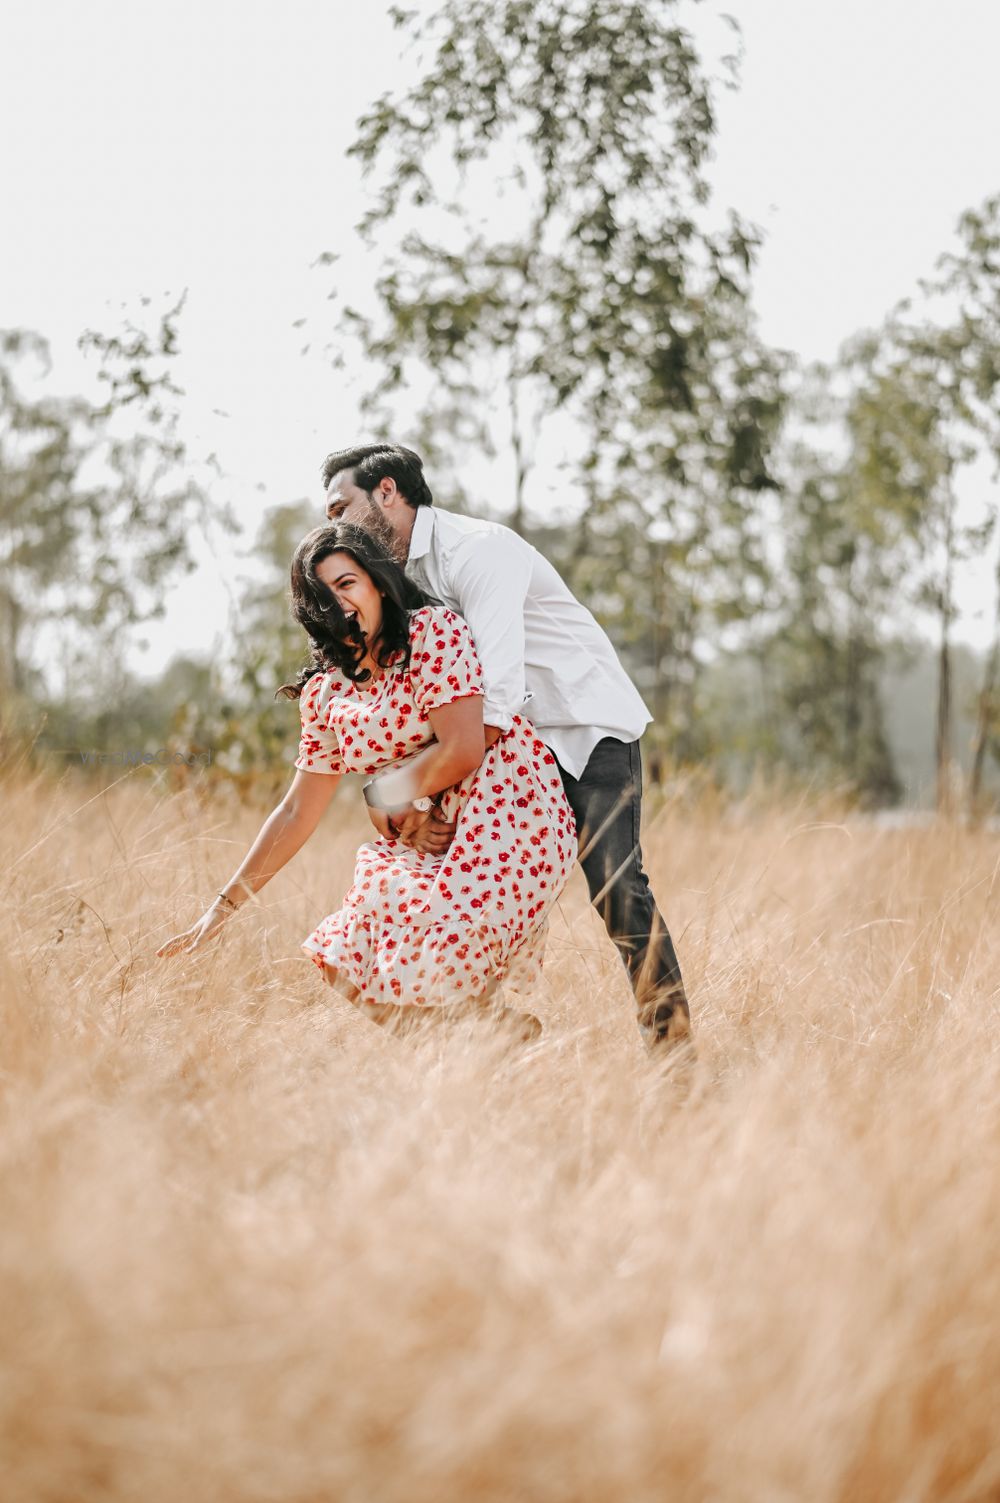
x,y
339,982
406,1020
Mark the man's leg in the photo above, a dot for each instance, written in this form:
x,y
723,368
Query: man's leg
x,y
607,804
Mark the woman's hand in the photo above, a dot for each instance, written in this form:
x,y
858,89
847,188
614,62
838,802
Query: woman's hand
x,y
427,833
200,933
380,820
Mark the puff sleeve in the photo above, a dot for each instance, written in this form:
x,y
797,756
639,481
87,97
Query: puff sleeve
x,y
444,664
319,749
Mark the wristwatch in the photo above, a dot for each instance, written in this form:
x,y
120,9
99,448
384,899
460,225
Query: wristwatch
x,y
370,791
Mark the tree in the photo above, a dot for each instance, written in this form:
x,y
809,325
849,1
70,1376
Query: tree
x,y
971,278
676,537
592,301
98,502
272,644
845,530
914,432
44,502
249,731
155,494
590,123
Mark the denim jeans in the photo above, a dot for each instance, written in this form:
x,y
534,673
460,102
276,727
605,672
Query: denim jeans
x,y
607,804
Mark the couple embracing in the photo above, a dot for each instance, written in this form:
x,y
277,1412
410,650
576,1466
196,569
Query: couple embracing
x,y
500,739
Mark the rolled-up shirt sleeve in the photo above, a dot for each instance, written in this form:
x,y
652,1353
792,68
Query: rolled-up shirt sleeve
x,y
488,575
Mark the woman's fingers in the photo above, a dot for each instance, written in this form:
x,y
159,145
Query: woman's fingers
x,y
190,941
433,834
172,945
380,820
429,840
208,926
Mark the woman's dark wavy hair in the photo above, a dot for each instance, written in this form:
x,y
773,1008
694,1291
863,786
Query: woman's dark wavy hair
x,y
335,641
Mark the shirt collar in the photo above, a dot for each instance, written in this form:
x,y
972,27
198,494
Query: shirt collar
x,y
423,532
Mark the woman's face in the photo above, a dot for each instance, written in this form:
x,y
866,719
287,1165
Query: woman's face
x,y
354,590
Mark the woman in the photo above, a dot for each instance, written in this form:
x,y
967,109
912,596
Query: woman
x,y
395,689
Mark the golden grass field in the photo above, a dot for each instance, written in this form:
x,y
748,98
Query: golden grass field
x,y
253,1248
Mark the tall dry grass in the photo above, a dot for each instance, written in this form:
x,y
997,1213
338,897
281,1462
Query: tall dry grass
x,y
254,1249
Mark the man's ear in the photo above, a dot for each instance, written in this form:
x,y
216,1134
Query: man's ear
x,y
389,492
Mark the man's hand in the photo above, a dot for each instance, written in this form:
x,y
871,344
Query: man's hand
x,y
427,833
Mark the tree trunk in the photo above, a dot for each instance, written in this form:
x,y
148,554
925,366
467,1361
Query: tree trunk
x,y
942,737
852,686
984,709
984,718
11,668
520,462
661,695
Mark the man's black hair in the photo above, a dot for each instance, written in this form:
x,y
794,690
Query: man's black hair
x,y
371,463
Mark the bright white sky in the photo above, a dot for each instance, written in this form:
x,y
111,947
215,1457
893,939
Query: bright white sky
x,y
200,144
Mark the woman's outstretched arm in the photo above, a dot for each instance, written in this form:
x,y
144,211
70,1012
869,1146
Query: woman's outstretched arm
x,y
281,836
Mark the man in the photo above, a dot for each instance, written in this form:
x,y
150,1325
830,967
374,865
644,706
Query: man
x,y
544,656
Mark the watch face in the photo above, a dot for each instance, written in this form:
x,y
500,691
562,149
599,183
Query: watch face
x,y
423,804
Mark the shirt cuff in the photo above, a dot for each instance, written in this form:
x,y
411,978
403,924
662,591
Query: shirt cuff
x,y
495,714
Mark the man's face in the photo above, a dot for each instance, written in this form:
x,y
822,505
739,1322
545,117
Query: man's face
x,y
346,502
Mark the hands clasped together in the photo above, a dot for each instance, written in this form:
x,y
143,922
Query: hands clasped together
x,y
427,833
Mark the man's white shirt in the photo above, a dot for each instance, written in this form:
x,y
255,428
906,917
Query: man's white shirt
x,y
543,654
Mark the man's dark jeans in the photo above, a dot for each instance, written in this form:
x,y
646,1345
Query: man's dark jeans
x,y
607,802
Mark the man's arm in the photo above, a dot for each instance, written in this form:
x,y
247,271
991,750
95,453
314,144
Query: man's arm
x,y
488,579
488,576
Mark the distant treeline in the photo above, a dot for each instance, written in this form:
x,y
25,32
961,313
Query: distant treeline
x,y
761,539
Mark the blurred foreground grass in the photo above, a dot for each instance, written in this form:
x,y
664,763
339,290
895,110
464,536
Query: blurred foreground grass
x,y
253,1249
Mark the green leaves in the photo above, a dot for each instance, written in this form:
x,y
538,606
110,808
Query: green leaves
x,y
97,503
589,301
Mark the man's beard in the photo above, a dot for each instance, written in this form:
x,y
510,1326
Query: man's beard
x,y
374,522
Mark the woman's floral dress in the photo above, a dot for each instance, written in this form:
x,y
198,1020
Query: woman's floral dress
x,y
419,929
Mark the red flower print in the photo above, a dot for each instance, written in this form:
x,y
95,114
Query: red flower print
x,y
377,934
